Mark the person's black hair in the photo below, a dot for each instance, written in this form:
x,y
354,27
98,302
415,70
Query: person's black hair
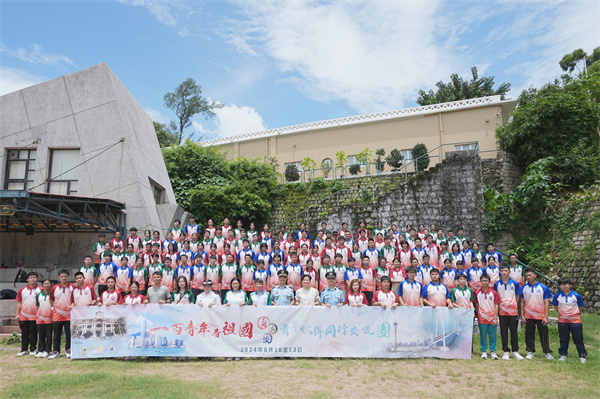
x,y
192,217
156,274
155,255
529,269
245,256
426,256
277,256
462,275
326,256
111,278
513,254
47,279
235,279
351,258
107,254
444,242
263,245
307,276
63,271
564,280
76,274
87,256
447,260
259,281
371,239
177,221
450,231
467,241
475,260
485,276
35,274
133,229
212,257
492,257
134,283
460,228
156,232
434,270
504,266
411,269
417,238
490,243
460,262
260,262
177,283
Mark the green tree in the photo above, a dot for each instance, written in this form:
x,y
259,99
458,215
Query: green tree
x,y
552,121
394,159
308,164
590,63
187,101
190,165
165,137
460,89
419,155
326,166
341,159
292,173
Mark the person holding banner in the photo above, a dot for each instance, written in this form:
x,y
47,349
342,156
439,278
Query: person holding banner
x,y
111,296
182,295
158,293
384,297
208,297
282,295
134,298
259,297
332,296
355,296
409,292
435,293
83,294
235,296
462,296
307,295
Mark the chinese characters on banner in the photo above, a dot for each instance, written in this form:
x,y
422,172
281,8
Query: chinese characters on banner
x,y
191,330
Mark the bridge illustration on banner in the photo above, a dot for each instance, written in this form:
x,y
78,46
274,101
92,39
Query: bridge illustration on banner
x,y
445,338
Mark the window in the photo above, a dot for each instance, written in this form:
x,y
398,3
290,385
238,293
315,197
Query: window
x,y
20,165
327,162
298,166
63,172
352,160
406,156
157,191
465,147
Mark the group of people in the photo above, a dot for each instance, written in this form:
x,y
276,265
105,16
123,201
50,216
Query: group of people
x,y
238,267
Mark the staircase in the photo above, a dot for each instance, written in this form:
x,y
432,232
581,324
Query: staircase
x,y
7,327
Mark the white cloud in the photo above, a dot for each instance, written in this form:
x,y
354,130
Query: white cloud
x,y
233,120
156,115
36,55
12,79
167,12
373,55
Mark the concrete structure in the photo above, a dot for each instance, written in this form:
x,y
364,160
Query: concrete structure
x,y
469,122
89,112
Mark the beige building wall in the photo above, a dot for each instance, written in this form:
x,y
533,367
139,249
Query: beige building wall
x,y
461,124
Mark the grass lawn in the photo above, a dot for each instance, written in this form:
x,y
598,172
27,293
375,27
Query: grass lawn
x,y
313,378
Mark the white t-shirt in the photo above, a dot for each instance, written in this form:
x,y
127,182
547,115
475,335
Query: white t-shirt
x,y
307,297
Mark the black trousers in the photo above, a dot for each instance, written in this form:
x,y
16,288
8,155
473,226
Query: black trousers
x,y
530,335
45,337
576,330
509,323
28,335
369,295
58,327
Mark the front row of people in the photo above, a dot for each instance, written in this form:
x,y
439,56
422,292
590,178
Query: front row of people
x,y
44,312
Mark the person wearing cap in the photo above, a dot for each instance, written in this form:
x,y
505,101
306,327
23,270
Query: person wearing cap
x,y
332,296
208,297
282,295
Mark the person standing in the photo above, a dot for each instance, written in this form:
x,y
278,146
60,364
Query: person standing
x,y
44,320
60,297
158,293
535,309
26,314
486,302
508,311
569,305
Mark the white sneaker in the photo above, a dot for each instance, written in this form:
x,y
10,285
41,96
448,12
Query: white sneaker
x,y
54,355
494,356
484,355
33,353
582,360
529,356
44,354
562,359
68,354
39,354
506,356
549,356
23,353
517,356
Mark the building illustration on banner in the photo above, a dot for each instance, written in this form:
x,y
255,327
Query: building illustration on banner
x,y
153,339
445,338
99,327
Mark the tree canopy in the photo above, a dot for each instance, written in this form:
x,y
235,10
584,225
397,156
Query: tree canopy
x,y
591,62
208,185
561,117
186,101
460,89
166,138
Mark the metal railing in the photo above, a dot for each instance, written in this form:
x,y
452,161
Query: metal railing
x,y
506,255
403,170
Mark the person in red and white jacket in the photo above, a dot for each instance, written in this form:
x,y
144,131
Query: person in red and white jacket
x,y
384,297
355,296
26,315
82,295
60,297
111,296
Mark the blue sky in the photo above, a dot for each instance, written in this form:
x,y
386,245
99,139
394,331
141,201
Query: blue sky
x,y
275,64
